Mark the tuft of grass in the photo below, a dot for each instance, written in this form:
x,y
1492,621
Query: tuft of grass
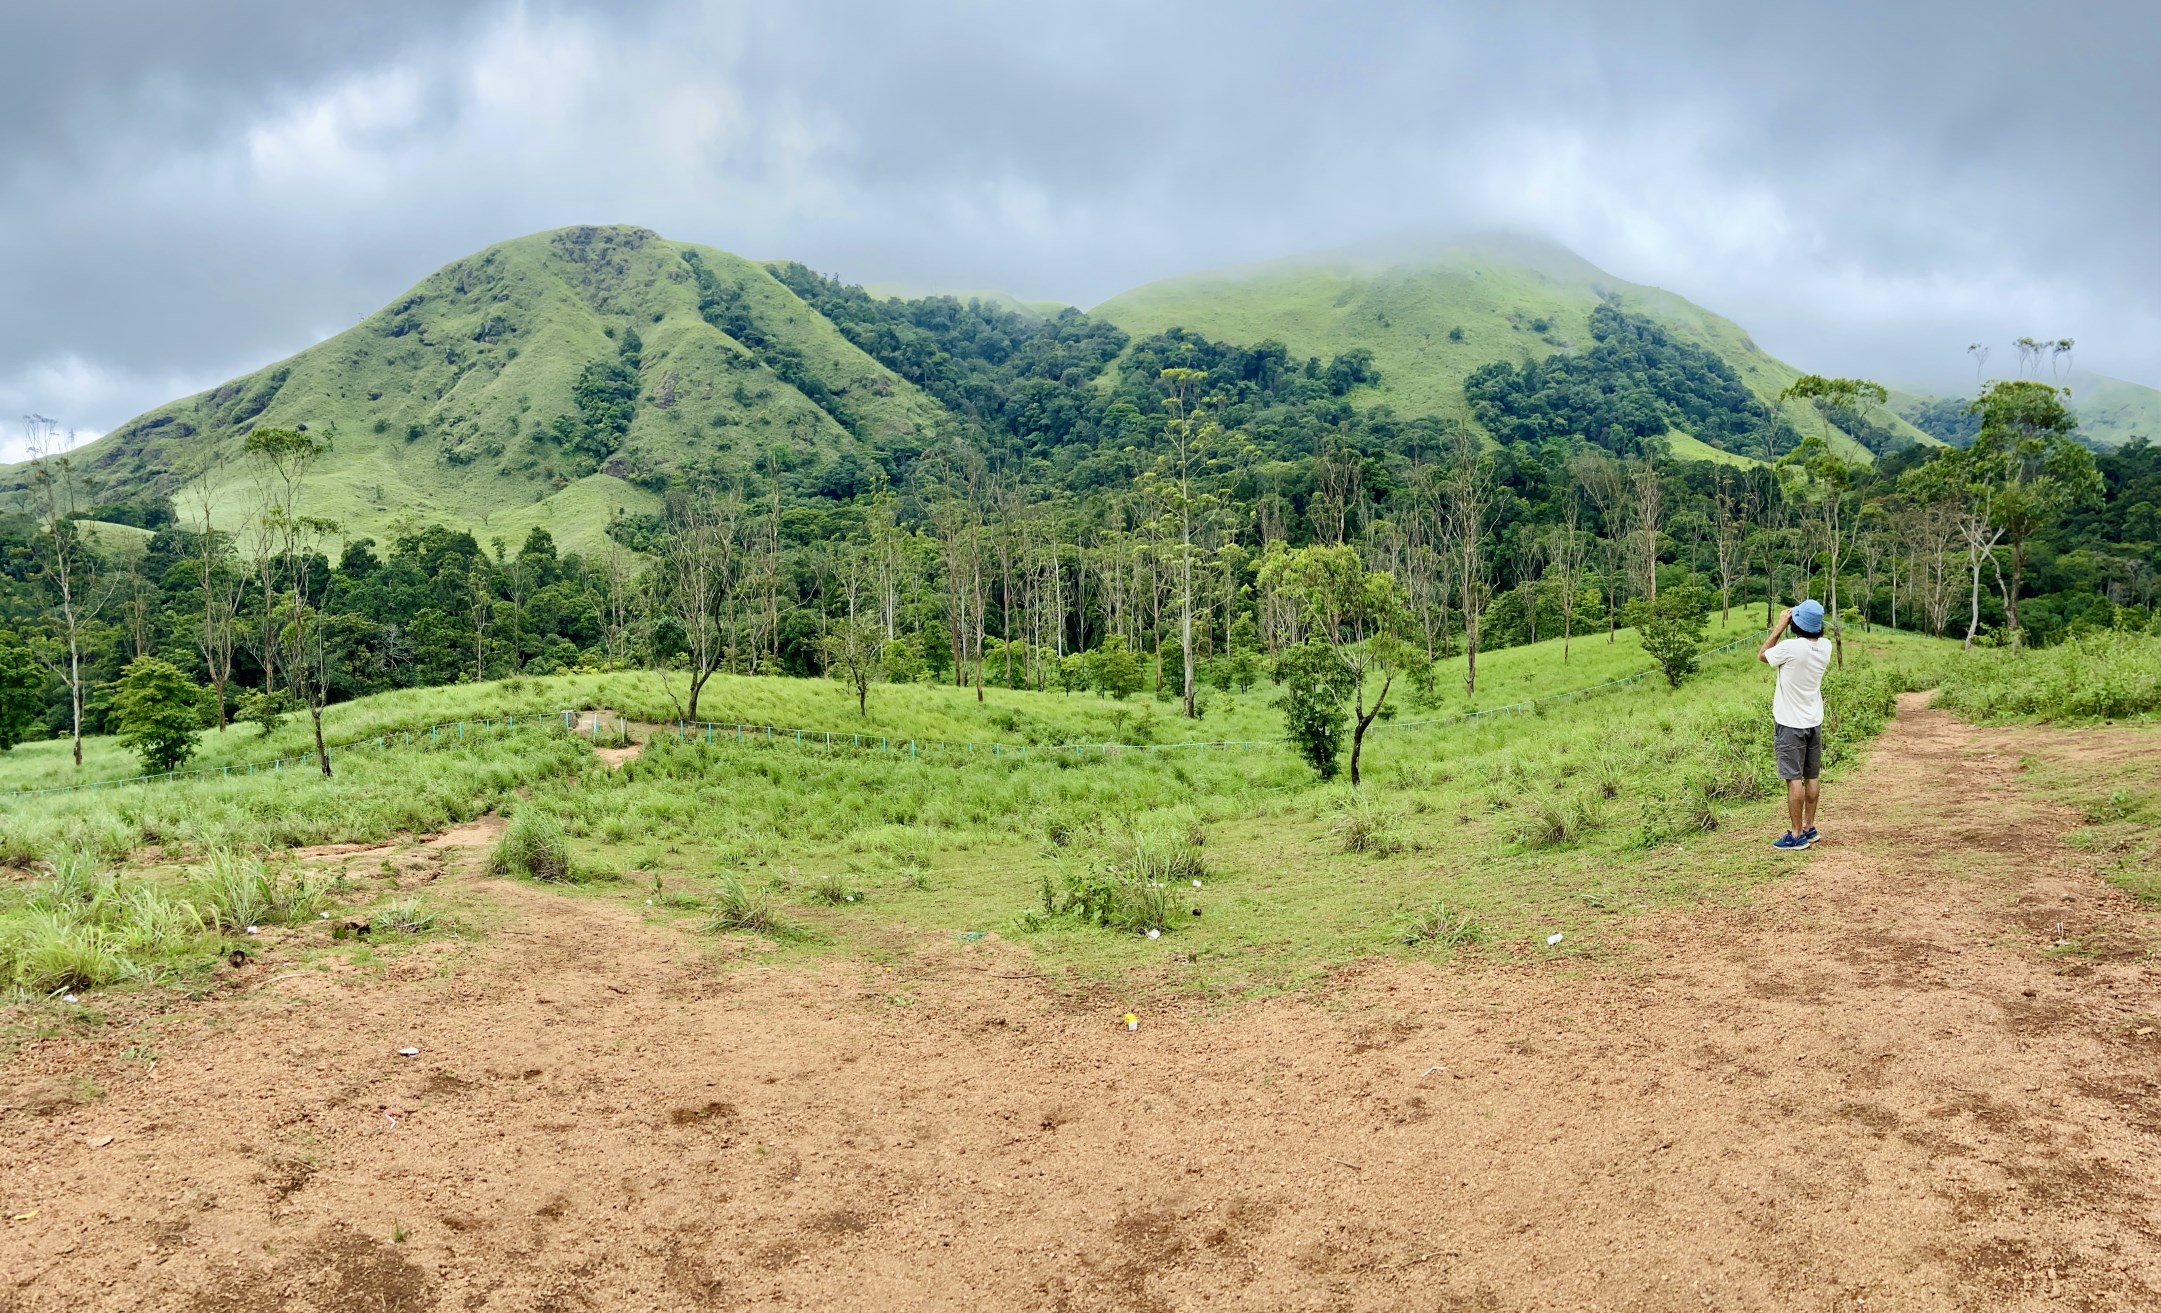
x,y
407,916
48,952
1553,821
233,892
534,846
1435,923
1364,824
738,907
833,891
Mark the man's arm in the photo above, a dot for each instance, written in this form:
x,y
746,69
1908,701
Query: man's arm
x,y
1785,618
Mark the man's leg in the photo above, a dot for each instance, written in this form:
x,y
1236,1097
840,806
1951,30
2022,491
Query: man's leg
x,y
1799,805
1810,792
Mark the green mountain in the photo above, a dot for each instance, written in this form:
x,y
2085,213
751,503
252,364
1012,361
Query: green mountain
x,y
553,380
1433,315
561,380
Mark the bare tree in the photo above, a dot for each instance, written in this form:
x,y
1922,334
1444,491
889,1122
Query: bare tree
x,y
1527,552
1980,539
1605,481
222,586
284,458
1569,553
615,602
1185,434
1470,492
1648,496
1731,515
69,566
479,605
698,574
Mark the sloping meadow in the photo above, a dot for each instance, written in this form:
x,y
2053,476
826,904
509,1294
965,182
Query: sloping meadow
x,y
1214,864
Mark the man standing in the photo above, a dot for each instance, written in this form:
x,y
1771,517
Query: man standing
x,y
1797,714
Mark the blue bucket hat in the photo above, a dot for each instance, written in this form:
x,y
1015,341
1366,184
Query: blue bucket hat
x,y
1808,616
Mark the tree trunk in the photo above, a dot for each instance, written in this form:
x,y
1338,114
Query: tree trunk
x,y
75,691
1363,719
2010,599
322,754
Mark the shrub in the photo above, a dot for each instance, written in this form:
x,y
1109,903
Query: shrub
x,y
265,711
1114,670
1130,885
1315,682
158,712
534,846
1548,820
1671,629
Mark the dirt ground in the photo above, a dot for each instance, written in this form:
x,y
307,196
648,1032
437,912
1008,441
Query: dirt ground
x,y
1872,1087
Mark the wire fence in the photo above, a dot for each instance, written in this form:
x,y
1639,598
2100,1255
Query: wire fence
x,y
592,724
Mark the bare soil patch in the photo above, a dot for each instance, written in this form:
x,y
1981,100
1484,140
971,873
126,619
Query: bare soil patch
x,y
1881,1080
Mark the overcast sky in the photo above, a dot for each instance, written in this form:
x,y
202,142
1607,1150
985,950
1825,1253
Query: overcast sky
x,y
190,191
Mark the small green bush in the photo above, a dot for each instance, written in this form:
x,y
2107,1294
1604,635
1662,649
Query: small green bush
x,y
158,711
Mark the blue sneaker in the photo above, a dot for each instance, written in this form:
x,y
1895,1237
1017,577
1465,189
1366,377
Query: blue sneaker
x,y
1788,843
1810,836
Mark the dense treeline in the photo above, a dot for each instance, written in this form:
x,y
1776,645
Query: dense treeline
x,y
1637,383
1103,514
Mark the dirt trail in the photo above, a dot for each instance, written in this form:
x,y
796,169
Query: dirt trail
x,y
1869,1088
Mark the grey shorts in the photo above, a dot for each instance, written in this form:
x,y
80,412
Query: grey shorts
x,y
1799,752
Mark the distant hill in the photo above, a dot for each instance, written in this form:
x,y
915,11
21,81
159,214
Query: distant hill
x,y
495,393
561,380
2111,412
1431,315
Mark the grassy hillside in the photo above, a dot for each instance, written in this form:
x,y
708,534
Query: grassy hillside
x,y
1581,809
2111,412
439,406
1431,316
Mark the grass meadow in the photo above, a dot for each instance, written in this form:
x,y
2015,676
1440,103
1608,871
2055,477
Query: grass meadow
x,y
1485,834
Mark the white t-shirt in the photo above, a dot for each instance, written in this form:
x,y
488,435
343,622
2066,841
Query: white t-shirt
x,y
1800,662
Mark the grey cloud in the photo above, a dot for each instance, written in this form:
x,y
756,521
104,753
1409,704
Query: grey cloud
x,y
1867,188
